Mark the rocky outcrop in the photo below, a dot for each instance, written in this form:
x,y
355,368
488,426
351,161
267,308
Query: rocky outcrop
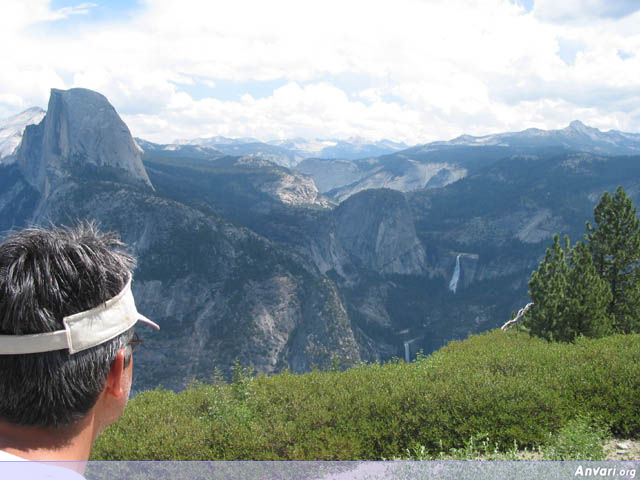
x,y
292,188
405,176
373,230
329,174
81,136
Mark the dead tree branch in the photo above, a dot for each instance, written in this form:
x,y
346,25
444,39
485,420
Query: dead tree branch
x,y
520,314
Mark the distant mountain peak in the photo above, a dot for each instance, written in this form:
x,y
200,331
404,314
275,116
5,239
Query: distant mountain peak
x,y
592,134
31,112
12,129
216,140
576,136
580,127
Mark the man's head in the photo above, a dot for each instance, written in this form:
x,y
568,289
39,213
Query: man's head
x,y
45,276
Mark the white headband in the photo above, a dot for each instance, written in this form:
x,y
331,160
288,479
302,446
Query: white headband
x,y
82,330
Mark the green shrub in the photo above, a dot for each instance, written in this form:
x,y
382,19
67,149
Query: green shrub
x,y
159,425
507,386
580,439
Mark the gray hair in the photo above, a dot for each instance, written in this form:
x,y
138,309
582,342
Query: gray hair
x,y
45,275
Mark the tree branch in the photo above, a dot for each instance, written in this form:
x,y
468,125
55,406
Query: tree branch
x,y
521,312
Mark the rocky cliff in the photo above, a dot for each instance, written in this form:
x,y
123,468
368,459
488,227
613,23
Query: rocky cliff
x,y
81,135
220,291
373,230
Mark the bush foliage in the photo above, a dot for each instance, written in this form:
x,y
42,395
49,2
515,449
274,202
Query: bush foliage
x,y
506,386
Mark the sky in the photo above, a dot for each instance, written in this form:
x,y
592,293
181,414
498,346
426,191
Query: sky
x,y
408,70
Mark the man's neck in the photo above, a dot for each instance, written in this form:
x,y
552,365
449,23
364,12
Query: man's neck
x,y
44,444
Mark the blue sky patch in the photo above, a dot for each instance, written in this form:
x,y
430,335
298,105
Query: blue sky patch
x,y
625,55
229,90
527,4
79,14
568,50
619,8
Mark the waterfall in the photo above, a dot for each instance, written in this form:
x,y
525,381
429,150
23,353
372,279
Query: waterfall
x,y
453,284
407,348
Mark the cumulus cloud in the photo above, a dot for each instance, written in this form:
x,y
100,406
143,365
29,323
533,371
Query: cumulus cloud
x,y
413,70
314,110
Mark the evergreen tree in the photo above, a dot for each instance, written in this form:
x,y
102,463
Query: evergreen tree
x,y
570,299
588,297
614,242
547,289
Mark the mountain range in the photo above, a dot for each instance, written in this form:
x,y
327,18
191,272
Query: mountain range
x,y
241,258
342,168
437,164
290,152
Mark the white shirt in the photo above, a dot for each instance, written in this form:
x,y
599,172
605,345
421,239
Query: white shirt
x,y
12,466
7,457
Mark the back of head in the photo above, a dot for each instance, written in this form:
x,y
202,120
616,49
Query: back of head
x,y
45,275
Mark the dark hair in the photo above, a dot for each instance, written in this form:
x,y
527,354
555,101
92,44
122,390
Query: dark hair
x,y
45,275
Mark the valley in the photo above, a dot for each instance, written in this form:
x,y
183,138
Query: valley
x,y
318,260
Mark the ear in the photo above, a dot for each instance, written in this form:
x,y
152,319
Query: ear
x,y
115,377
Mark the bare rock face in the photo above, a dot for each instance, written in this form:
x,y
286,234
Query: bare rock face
x,y
330,173
219,292
81,136
293,189
374,230
409,176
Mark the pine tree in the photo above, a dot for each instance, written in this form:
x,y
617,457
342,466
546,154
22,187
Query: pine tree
x,y
588,297
570,299
614,242
547,289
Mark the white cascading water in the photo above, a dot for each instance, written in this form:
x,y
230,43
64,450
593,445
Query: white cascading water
x,y
406,352
453,284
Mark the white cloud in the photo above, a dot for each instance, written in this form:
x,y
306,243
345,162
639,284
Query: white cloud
x,y
66,12
315,110
429,69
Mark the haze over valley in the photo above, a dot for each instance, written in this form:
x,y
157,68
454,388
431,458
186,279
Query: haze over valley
x,y
283,262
